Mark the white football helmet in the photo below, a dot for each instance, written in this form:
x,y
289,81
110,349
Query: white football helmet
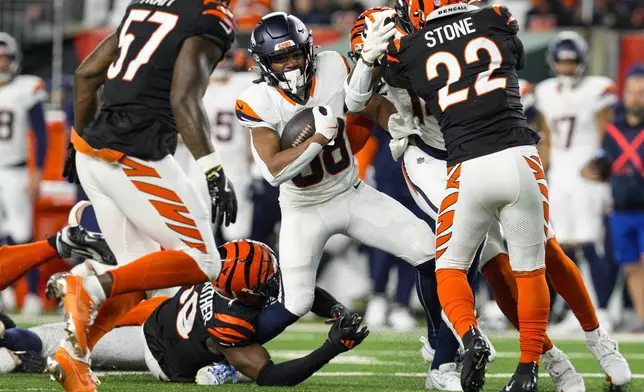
x,y
9,48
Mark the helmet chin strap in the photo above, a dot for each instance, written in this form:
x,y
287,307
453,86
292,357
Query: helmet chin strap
x,y
293,82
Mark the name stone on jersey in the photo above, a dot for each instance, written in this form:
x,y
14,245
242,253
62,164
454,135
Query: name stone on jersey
x,y
450,32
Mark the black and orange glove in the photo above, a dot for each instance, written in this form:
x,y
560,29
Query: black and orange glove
x,y
346,334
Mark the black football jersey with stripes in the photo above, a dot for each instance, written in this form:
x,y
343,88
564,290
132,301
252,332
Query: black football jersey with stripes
x,y
464,65
136,117
183,333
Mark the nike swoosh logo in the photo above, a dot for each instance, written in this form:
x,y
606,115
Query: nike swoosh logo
x,y
509,386
367,50
240,106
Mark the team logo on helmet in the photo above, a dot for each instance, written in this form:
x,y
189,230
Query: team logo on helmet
x,y
284,45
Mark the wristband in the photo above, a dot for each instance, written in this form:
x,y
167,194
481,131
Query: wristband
x,y
209,162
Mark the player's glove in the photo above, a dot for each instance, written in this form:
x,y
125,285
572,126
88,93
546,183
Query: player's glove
x,y
326,124
69,170
379,28
345,334
222,194
30,362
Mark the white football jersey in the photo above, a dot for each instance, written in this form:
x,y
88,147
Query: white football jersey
x,y
229,138
570,113
331,172
16,99
526,89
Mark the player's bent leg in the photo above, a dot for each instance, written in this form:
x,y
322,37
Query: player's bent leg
x,y
303,233
461,228
426,177
17,260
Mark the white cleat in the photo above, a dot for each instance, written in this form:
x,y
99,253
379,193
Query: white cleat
x,y
606,352
561,371
446,378
375,316
401,320
426,351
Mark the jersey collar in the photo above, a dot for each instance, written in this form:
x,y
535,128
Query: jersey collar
x,y
450,10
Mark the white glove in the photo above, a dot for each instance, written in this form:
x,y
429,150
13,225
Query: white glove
x,y
402,125
325,122
378,29
398,147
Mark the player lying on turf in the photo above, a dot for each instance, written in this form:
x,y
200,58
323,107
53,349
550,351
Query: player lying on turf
x,y
425,167
217,321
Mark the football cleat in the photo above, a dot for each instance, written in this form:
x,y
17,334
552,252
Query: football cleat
x,y
80,309
426,351
72,374
446,378
216,374
606,352
475,361
561,371
525,379
76,241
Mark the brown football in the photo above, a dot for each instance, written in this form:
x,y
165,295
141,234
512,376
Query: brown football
x,y
298,129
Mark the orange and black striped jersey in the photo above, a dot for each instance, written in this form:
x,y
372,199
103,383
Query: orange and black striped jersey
x,y
184,332
137,118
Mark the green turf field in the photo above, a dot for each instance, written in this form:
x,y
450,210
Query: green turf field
x,y
384,362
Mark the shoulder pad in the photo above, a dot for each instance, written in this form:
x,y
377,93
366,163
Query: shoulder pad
x,y
253,108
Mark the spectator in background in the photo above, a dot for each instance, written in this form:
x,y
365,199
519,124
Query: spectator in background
x,y
546,15
619,14
621,159
312,13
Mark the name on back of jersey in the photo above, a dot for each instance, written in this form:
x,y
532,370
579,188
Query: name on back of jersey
x,y
206,302
450,32
158,3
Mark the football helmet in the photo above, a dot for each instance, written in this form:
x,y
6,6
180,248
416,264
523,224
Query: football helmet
x,y
357,32
9,48
249,272
413,13
568,46
276,34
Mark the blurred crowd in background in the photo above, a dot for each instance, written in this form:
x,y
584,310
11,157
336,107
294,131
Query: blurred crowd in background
x,y
35,22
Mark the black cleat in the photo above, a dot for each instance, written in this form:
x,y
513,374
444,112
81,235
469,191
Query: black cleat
x,y
475,361
525,379
30,362
76,241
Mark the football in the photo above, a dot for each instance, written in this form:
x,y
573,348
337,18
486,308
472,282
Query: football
x,y
298,129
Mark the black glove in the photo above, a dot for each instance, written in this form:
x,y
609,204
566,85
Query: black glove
x,y
222,194
30,362
345,334
338,311
69,170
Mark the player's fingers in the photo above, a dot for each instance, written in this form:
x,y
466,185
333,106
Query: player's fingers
x,y
388,34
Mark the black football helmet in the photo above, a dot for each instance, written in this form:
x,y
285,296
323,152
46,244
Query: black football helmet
x,y
276,34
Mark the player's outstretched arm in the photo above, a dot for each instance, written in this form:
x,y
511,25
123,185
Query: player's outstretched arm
x,y
278,166
192,69
89,76
255,362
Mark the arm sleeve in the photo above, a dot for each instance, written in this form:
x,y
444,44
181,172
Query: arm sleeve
x,y
290,171
39,127
520,51
297,370
607,96
323,302
216,24
358,90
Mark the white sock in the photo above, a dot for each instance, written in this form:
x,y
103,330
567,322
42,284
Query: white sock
x,y
94,289
65,344
594,335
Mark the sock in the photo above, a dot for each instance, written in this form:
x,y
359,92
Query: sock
x,y
456,298
138,314
110,313
380,263
406,279
501,279
567,280
33,281
446,348
19,339
158,270
17,260
94,288
271,321
428,296
534,307
603,274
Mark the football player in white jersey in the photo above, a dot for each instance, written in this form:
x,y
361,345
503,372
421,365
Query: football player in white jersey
x,y
230,138
21,109
425,170
576,109
320,193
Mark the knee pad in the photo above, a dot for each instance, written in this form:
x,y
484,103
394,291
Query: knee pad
x,y
445,262
527,258
299,303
